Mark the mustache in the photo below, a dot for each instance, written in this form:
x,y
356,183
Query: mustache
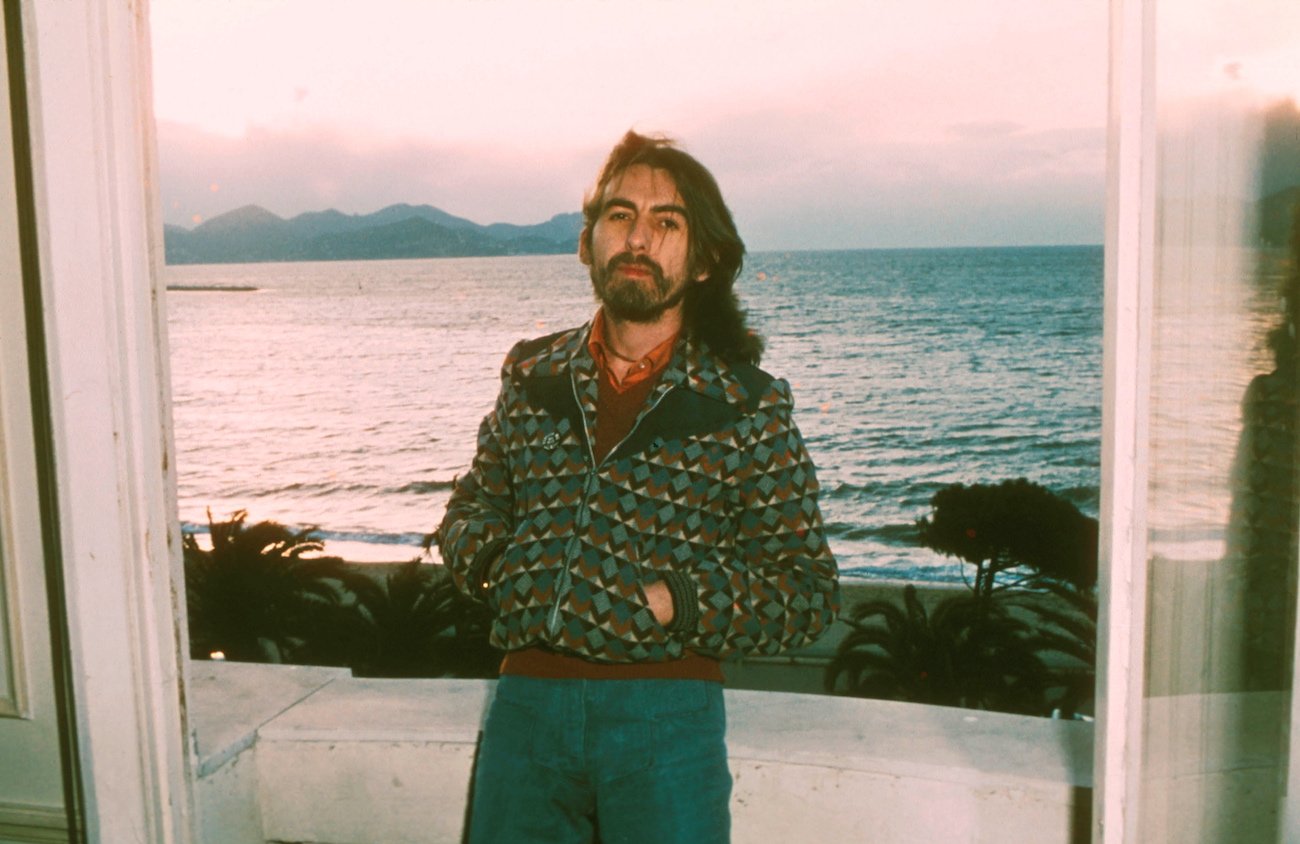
x,y
629,258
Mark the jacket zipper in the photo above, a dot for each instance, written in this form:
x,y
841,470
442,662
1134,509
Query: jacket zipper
x,y
583,516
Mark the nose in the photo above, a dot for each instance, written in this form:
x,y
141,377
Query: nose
x,y
640,233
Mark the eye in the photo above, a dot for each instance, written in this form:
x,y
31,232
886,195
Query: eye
x,y
618,216
670,224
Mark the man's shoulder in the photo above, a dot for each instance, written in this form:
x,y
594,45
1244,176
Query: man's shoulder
x,y
542,355
757,382
530,348
743,382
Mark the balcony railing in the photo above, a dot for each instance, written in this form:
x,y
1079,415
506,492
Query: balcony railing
x,y
290,753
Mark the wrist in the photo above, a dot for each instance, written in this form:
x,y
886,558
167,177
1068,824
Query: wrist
x,y
685,601
477,578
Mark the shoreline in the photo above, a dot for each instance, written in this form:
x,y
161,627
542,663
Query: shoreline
x,y
800,670
855,587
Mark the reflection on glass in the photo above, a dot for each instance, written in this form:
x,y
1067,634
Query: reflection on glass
x,y
1222,499
1262,529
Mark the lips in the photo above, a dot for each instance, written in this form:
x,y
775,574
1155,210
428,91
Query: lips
x,y
634,267
634,271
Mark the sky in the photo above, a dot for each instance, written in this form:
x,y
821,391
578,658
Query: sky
x,y
828,123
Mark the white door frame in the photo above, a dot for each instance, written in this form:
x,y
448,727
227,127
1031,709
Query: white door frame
x,y
108,426
1130,246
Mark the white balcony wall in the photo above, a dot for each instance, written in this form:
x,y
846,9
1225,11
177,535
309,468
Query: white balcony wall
x,y
312,755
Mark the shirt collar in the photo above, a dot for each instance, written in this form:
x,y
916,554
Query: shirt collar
x,y
654,361
568,354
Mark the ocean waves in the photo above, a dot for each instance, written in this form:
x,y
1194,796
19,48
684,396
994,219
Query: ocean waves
x,y
340,489
348,395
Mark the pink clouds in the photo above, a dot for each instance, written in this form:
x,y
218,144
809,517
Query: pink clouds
x,y
501,111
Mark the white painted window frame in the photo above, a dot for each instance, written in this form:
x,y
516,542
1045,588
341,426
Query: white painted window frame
x,y
99,241
1129,284
14,435
95,174
1129,287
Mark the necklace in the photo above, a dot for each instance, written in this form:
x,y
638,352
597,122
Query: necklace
x,y
621,357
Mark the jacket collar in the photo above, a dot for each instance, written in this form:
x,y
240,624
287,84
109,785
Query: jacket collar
x,y
693,367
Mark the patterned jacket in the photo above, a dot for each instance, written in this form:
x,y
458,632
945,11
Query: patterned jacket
x,y
711,492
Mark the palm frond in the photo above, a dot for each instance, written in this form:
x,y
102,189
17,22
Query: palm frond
x,y
966,650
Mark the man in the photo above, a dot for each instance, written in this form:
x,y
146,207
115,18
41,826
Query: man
x,y
640,506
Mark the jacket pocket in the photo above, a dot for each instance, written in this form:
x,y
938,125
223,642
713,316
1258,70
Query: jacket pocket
x,y
521,587
604,615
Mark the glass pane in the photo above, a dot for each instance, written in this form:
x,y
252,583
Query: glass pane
x,y
1222,504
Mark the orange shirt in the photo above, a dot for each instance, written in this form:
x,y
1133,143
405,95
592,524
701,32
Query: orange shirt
x,y
655,361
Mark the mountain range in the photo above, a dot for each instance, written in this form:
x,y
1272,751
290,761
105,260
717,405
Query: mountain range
x,y
252,234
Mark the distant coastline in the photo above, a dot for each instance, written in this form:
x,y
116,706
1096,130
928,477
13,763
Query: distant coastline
x,y
254,235
251,235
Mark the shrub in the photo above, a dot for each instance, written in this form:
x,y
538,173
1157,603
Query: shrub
x,y
1022,640
965,653
422,626
266,593
257,595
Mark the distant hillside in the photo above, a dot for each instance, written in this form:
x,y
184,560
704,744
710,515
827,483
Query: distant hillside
x,y
251,234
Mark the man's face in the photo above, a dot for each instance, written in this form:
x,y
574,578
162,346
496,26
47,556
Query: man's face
x,y
638,246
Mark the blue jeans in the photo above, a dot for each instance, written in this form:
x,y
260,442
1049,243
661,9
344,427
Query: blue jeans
x,y
615,761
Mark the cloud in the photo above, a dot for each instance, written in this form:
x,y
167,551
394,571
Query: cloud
x,y
842,190
289,172
847,189
985,129
848,124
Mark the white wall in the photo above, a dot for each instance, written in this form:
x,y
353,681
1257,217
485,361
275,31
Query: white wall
x,y
335,759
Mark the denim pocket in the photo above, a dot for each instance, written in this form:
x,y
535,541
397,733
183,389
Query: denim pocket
x,y
530,723
694,730
508,734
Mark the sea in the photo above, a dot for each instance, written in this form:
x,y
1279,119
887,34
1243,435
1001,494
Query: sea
x,y
346,396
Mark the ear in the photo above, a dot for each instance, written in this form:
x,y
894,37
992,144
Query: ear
x,y
584,248
703,275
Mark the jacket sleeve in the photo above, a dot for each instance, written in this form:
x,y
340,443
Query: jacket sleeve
x,y
782,589
479,521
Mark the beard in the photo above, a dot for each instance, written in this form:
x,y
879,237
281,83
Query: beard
x,y
634,300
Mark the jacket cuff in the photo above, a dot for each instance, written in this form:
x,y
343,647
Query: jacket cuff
x,y
477,579
686,601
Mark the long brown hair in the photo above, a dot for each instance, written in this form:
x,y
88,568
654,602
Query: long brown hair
x,y
711,312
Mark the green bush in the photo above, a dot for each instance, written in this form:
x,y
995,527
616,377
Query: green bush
x,y
967,652
1022,640
1014,525
266,593
422,626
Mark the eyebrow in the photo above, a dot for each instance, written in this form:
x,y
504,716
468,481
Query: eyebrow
x,y
667,208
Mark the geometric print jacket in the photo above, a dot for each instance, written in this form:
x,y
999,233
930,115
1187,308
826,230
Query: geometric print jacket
x,y
711,492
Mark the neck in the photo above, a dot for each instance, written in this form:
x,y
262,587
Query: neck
x,y
634,340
